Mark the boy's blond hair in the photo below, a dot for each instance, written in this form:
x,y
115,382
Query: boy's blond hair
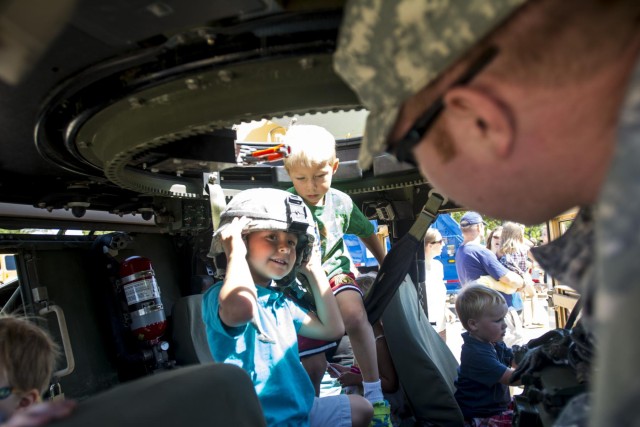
x,y
474,300
27,354
310,146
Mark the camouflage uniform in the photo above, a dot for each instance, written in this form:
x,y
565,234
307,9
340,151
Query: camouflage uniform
x,y
390,50
597,257
616,385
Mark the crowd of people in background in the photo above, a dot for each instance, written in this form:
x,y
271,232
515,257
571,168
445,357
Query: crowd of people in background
x,y
512,249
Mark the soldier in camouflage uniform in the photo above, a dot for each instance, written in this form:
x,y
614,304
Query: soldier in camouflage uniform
x,y
492,98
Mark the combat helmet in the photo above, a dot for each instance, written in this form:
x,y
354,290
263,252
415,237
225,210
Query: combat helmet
x,y
270,209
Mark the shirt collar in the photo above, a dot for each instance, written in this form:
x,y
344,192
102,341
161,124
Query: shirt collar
x,y
271,295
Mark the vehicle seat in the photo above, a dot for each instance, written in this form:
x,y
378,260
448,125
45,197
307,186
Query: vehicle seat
x,y
189,334
212,394
426,367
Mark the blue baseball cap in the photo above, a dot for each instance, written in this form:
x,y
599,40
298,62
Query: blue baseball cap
x,y
471,218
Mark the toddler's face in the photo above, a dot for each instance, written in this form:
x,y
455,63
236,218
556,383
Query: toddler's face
x,y
312,183
271,255
491,326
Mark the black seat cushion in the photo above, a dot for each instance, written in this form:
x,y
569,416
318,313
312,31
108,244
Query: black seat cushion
x,y
212,394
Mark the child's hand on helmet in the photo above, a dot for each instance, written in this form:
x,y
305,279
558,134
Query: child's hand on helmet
x,y
312,261
231,236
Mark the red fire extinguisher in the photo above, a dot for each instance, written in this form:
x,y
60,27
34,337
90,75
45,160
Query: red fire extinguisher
x,y
140,289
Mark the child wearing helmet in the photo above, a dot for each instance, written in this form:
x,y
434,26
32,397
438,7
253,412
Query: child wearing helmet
x,y
267,235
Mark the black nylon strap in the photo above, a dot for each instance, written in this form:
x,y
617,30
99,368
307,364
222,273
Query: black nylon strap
x,y
396,264
427,215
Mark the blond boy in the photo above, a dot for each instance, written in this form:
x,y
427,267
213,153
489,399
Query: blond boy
x,y
311,166
485,370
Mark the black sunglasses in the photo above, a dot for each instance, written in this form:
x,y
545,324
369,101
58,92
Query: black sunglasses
x,y
402,149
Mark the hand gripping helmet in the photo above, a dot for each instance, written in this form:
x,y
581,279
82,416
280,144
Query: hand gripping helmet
x,y
270,209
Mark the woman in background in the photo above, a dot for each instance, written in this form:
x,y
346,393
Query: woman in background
x,y
493,241
434,282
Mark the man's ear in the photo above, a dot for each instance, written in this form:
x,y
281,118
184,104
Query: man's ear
x,y
336,163
478,117
29,398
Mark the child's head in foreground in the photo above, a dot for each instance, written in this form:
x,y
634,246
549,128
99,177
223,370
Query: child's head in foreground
x,y
278,234
27,358
312,161
482,311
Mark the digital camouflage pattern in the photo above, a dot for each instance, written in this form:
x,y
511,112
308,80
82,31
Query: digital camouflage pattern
x,y
390,49
617,317
598,256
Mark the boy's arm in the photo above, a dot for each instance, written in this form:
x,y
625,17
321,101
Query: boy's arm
x,y
238,295
510,361
507,376
327,325
373,244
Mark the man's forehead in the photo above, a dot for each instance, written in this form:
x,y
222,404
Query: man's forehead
x,y
390,49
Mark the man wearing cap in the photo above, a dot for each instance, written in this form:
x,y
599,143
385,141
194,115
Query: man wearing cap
x,y
492,98
473,259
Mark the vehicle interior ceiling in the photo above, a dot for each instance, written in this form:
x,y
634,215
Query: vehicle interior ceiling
x,y
119,125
